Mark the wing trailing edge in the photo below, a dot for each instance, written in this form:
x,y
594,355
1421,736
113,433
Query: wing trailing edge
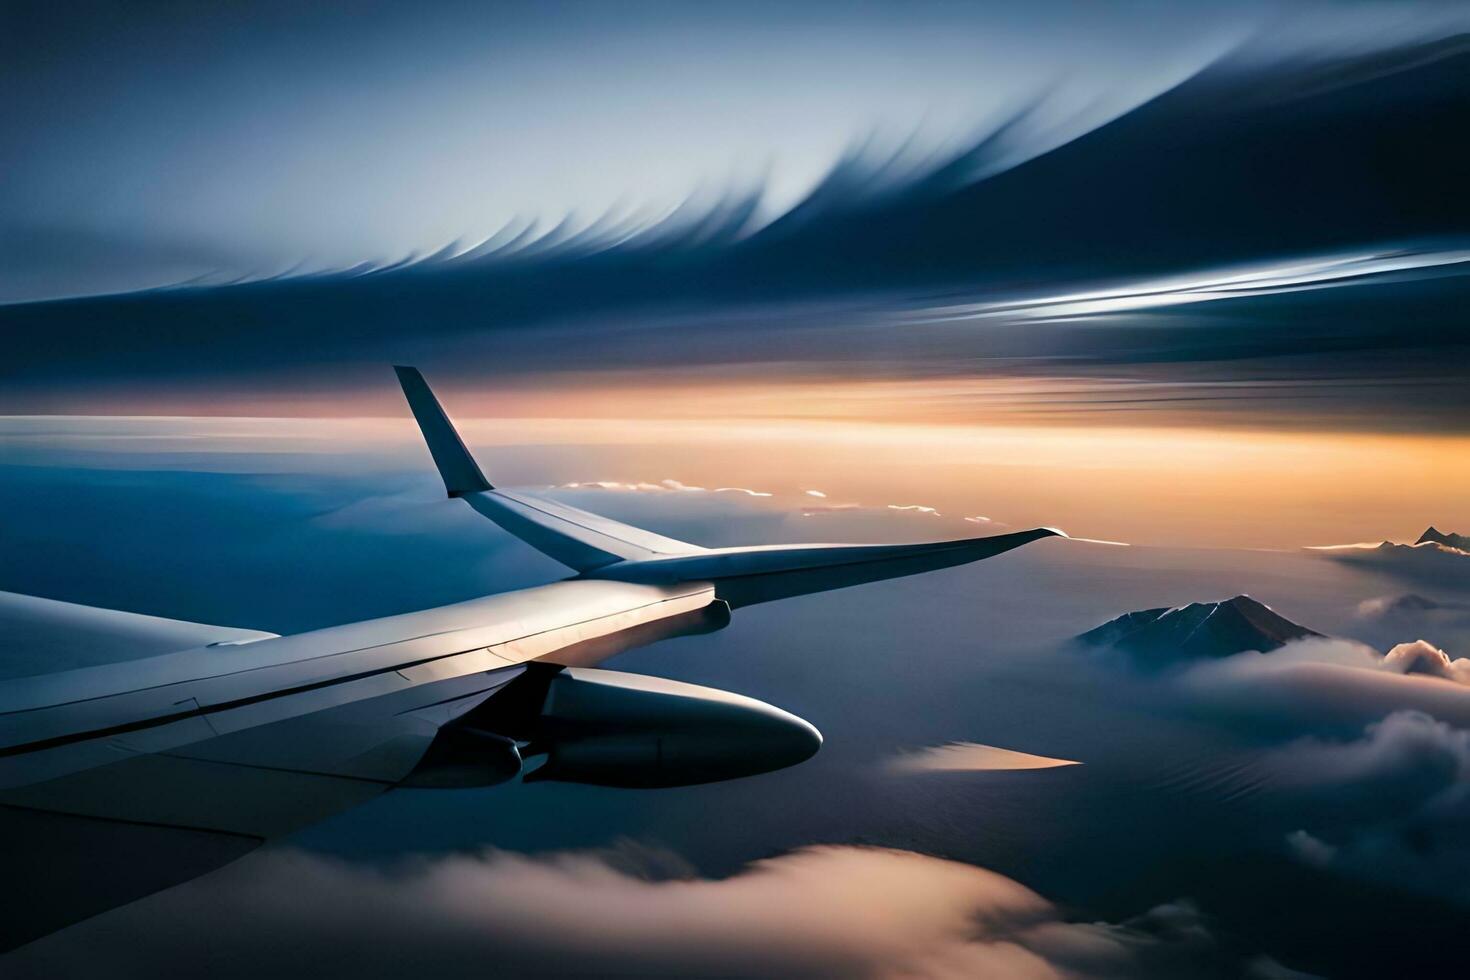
x,y
745,576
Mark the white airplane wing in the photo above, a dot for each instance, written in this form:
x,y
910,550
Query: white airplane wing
x,y
118,779
602,548
201,742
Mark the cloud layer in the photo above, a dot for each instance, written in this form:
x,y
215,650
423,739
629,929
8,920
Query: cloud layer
x,y
1395,802
817,912
1420,657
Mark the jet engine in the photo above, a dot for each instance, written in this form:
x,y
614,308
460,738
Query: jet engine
x,y
611,728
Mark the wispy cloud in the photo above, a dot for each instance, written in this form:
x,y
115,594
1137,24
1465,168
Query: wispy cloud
x,y
916,508
1263,279
819,502
662,486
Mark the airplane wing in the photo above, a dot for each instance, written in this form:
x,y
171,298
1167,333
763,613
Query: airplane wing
x,y
201,742
602,548
119,779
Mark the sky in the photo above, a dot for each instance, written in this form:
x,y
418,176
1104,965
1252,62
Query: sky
x,y
248,139
1186,280
1229,220
269,136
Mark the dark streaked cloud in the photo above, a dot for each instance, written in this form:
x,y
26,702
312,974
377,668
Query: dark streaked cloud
x,y
1157,208
337,136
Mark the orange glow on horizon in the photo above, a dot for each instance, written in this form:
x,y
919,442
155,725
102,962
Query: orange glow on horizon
x,y
1165,485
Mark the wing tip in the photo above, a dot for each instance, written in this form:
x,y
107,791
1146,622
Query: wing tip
x,y
460,472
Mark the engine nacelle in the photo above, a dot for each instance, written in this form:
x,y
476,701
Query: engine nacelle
x,y
610,728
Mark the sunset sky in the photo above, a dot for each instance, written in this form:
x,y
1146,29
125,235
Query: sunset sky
x,y
1186,280
1053,248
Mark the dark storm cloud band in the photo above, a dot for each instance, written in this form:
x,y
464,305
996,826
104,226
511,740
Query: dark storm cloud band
x,y
1202,178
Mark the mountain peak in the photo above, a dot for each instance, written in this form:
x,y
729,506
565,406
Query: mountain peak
x,y
1198,630
1450,539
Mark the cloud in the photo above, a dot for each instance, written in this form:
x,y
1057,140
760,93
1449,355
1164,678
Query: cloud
x,y
1420,657
1383,606
832,287
670,485
1417,859
1204,286
817,912
1394,803
808,510
1406,748
819,504
1350,765
916,508
1310,850
970,757
1325,681
665,485
1342,673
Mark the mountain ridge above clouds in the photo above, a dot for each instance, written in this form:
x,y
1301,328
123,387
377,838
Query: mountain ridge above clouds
x,y
1169,635
1439,557
1198,630
1450,539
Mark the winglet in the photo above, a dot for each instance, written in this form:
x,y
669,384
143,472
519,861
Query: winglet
x,y
458,468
